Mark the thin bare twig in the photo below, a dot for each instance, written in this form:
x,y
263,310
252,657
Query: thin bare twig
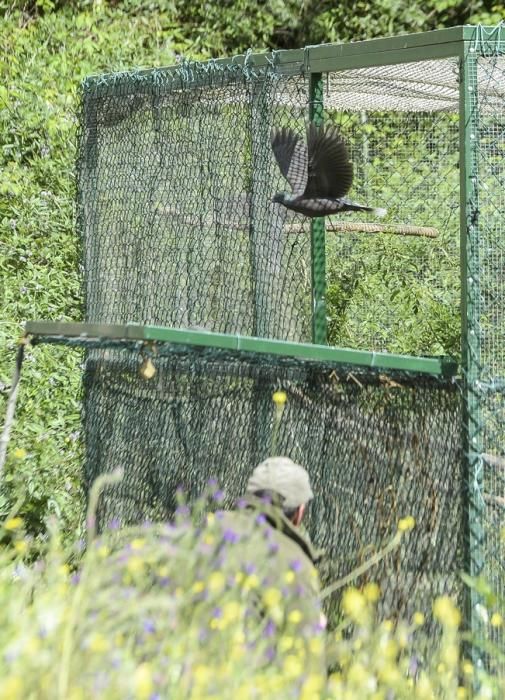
x,y
11,402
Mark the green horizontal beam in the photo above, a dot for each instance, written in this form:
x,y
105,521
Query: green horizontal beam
x,y
437,366
439,43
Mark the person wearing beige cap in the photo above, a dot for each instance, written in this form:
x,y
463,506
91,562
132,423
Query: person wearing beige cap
x,y
263,548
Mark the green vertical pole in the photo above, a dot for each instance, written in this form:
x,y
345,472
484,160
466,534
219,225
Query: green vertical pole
x,y
317,230
470,330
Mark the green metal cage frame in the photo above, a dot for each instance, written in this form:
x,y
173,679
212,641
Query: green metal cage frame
x,y
314,61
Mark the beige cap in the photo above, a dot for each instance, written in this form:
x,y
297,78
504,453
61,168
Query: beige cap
x,y
283,476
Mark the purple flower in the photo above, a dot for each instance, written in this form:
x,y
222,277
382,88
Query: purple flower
x,y
149,626
113,524
269,630
218,496
230,536
212,482
241,503
217,612
260,519
182,510
296,565
273,547
270,654
75,578
249,568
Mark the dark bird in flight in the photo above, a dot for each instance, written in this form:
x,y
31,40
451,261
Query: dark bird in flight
x,y
320,173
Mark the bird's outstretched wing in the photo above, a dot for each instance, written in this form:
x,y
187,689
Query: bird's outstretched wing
x,y
329,167
291,155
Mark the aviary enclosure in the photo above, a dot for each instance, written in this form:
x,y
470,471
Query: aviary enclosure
x,y
192,271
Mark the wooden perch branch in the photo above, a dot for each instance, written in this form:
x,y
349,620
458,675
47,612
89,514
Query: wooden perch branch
x,y
357,227
494,460
298,227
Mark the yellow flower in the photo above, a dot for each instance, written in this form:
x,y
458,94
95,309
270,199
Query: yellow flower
x,y
418,619
32,645
143,681
356,674
387,626
103,551
461,693
21,546
446,612
316,645
424,690
496,620
216,581
390,675
354,605
406,524
137,543
295,617
250,582
272,597
98,643
450,655
211,518
76,693
244,692
289,576
202,674
135,565
372,592
467,667
312,688
209,539
286,643
11,688
279,398
198,587
231,611
293,666
389,648
13,523
20,453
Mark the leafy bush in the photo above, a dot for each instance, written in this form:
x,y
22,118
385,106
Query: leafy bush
x,y
43,62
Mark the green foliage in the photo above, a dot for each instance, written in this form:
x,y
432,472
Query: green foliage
x,y
152,612
43,62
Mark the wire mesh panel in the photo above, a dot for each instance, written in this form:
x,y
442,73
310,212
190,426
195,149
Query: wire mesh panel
x,y
387,290
176,178
378,446
175,183
486,294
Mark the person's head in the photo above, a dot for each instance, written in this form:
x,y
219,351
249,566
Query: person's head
x,y
284,482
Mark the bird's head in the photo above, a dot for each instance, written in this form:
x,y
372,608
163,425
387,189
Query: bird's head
x,y
280,197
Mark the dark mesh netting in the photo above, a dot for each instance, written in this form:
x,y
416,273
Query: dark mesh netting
x,y
378,447
176,177
175,184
